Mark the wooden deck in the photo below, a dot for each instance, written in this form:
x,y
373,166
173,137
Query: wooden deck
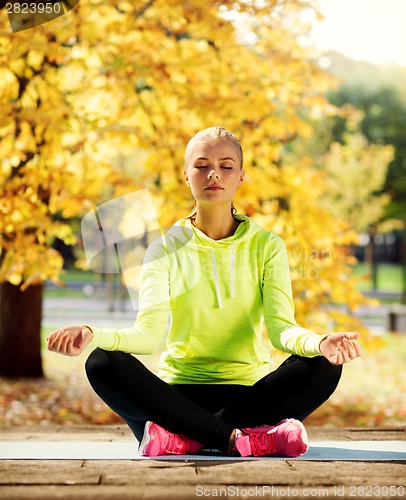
x,y
161,479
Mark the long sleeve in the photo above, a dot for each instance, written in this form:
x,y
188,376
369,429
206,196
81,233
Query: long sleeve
x,y
279,313
154,311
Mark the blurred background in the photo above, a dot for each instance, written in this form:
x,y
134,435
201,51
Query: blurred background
x,y
101,102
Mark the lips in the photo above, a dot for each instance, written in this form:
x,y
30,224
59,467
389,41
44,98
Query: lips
x,y
214,187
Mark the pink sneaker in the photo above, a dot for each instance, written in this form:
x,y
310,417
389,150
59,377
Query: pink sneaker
x,y
286,439
158,441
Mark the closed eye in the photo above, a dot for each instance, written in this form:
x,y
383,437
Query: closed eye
x,y
205,166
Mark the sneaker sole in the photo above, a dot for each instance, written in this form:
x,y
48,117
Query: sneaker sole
x,y
304,436
146,438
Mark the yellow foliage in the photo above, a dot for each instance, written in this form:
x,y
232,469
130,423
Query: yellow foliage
x,y
356,170
102,101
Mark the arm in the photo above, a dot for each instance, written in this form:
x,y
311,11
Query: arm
x,y
284,333
149,327
279,313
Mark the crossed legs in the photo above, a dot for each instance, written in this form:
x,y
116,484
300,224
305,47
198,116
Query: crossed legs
x,y
209,413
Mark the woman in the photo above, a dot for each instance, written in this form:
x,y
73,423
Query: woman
x,y
217,275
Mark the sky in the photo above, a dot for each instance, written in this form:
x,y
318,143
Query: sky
x,y
368,30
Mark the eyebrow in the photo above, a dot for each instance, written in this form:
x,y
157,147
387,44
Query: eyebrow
x,y
221,159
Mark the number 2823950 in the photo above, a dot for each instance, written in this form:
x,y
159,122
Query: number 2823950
x,y
33,8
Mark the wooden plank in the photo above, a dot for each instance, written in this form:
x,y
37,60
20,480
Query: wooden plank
x,y
62,472
178,492
35,472
68,433
160,479
111,492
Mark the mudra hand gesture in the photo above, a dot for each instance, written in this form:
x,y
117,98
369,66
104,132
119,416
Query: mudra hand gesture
x,y
70,340
340,347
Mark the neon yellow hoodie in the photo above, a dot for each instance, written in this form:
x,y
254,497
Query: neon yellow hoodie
x,y
211,298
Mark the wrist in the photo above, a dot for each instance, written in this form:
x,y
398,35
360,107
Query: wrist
x,y
322,340
87,331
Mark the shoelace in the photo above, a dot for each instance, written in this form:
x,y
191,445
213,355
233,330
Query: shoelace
x,y
263,444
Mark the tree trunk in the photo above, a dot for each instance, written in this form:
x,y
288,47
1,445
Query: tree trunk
x,y
20,331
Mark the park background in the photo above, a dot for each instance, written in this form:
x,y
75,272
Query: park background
x,y
101,102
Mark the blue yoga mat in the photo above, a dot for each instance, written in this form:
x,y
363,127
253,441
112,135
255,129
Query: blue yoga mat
x,y
128,450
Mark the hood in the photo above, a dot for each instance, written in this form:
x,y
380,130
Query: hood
x,y
183,233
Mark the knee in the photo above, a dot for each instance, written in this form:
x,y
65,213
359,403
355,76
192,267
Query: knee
x,y
327,372
97,364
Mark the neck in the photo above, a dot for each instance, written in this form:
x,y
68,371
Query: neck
x,y
217,222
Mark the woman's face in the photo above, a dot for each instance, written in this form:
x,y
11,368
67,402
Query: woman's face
x,y
214,171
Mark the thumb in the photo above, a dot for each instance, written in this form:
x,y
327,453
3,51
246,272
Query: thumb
x,y
351,335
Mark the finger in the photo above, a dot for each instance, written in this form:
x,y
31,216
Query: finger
x,y
351,335
69,347
338,358
61,340
52,339
345,355
49,340
49,344
52,333
339,355
350,348
358,348
64,343
58,340
353,348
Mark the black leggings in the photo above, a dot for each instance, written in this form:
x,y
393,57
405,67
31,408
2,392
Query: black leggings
x,y
208,413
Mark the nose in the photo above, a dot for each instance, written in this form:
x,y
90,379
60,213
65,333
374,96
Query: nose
x,y
213,173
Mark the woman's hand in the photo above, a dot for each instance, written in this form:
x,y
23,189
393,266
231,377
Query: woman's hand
x,y
340,347
70,340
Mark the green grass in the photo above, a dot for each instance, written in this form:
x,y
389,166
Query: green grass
x,y
75,276
389,277
65,293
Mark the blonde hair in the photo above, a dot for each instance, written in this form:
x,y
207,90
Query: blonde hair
x,y
211,134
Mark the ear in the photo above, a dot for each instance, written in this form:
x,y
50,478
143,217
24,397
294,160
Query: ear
x,y
186,177
242,175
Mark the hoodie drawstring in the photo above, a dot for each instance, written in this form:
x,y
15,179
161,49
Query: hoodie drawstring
x,y
216,279
232,278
